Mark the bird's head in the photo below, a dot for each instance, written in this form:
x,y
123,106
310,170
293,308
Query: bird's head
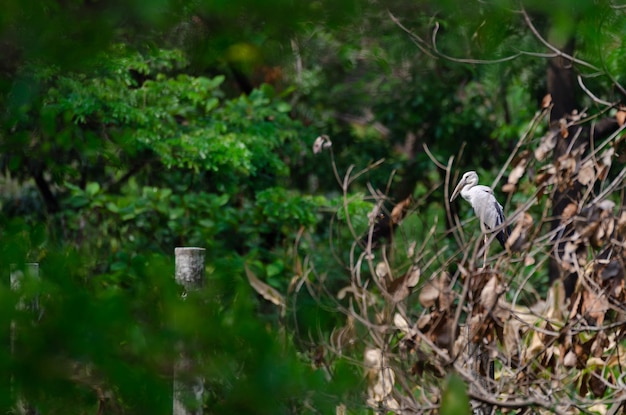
x,y
469,179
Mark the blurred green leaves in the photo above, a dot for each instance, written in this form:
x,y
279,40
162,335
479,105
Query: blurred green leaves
x,y
454,399
125,133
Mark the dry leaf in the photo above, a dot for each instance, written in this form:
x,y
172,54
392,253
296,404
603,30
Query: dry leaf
x,y
321,143
382,270
577,116
597,384
401,324
517,173
606,205
604,231
569,211
598,347
446,296
566,164
344,291
512,339
502,309
563,128
546,101
372,358
413,277
519,235
546,175
508,188
489,294
586,174
429,294
357,292
399,210
570,359
547,144
620,116
600,408
400,287
519,169
381,377
621,224
442,332
555,302
529,260
595,361
411,249
594,306
607,156
266,291
534,348
424,320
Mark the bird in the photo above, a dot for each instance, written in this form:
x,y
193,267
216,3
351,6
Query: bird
x,y
485,205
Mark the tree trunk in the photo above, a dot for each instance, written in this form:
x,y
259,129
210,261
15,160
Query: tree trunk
x,y
560,82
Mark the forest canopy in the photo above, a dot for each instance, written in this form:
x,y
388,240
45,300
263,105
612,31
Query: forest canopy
x,y
312,148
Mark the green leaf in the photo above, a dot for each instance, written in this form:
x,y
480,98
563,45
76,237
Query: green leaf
x,y
211,104
283,107
78,201
454,400
92,188
119,266
274,269
207,223
216,81
177,213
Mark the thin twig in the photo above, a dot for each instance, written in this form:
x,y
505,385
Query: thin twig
x,y
466,60
591,94
418,41
553,48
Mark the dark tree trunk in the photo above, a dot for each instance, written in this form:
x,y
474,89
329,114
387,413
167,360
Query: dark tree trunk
x,y
560,82
561,85
50,200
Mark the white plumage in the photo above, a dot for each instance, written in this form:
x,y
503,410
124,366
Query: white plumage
x,y
485,205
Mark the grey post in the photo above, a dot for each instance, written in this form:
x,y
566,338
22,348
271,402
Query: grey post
x,y
188,394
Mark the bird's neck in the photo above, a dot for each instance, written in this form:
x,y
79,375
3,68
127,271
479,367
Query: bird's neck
x,y
466,193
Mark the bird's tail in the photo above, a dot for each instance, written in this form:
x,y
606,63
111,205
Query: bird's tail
x,y
503,235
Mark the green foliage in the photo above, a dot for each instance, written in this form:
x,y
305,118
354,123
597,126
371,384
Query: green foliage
x,y
454,399
92,339
179,118
143,157
128,131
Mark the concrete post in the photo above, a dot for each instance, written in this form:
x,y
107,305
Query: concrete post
x,y
188,394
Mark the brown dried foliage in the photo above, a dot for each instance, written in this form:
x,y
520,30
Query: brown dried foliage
x,y
413,317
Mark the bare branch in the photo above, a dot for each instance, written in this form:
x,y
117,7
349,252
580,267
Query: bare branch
x,y
418,41
432,157
553,48
465,60
497,312
592,96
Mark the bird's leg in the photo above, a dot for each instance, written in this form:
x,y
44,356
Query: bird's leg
x,y
485,252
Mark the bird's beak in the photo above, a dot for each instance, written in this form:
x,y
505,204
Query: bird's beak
x,y
457,190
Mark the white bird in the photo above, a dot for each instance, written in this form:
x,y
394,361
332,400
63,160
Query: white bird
x,y
485,205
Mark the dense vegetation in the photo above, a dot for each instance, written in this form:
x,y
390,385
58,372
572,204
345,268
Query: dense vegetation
x,y
311,148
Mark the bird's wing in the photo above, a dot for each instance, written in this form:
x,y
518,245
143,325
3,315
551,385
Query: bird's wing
x,y
505,232
499,213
